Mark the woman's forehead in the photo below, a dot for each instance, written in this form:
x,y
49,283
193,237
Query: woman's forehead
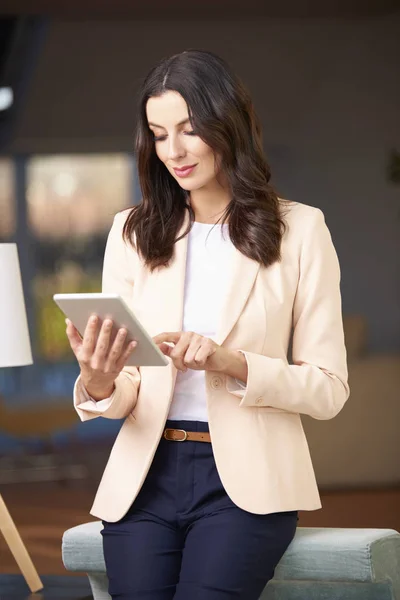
x,y
167,110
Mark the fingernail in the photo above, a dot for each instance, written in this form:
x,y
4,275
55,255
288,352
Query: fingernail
x,y
93,320
67,321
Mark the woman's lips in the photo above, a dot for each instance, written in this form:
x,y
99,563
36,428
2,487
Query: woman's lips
x,y
185,171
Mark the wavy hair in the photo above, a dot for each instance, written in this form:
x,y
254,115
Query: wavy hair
x,y
222,114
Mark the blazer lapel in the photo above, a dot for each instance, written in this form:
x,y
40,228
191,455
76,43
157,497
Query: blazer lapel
x,y
241,280
168,288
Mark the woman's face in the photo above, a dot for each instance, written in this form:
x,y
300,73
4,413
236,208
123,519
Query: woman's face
x,y
189,160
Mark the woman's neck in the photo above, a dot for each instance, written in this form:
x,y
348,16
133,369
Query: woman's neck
x,y
209,203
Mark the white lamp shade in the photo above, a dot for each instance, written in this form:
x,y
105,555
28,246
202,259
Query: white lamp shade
x,y
15,347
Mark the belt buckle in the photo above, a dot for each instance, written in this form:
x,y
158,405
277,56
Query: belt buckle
x,y
171,439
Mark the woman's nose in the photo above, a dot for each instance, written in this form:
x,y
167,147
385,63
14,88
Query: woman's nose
x,y
175,148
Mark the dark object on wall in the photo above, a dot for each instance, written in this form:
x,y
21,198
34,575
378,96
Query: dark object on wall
x,y
20,43
394,167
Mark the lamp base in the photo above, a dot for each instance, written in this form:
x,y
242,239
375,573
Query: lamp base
x,y
18,549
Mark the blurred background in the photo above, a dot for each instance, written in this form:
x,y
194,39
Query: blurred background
x,y
325,79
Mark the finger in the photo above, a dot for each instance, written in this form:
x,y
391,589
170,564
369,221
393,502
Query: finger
x,y
90,336
203,354
103,343
165,349
191,352
172,336
178,352
125,355
116,349
75,340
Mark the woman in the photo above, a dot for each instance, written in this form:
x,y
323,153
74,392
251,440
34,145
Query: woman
x,y
220,271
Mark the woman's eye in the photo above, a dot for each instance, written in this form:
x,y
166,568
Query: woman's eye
x,y
161,138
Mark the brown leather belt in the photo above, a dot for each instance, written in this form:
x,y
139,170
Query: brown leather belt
x,y
180,435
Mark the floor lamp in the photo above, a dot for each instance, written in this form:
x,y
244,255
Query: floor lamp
x,y
15,351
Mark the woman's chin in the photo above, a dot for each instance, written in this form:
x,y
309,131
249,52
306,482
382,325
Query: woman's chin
x,y
189,186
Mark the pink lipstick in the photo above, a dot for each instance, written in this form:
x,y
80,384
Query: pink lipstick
x,y
185,171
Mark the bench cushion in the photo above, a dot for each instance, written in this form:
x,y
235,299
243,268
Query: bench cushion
x,y
315,554
363,555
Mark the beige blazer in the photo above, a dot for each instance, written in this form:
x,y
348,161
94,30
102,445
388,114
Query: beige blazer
x,y
258,440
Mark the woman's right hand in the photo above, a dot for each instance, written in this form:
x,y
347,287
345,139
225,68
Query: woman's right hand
x,y
100,360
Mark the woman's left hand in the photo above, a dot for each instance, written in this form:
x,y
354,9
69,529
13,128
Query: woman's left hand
x,y
193,351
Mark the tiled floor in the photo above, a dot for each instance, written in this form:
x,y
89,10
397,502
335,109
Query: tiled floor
x,y
56,587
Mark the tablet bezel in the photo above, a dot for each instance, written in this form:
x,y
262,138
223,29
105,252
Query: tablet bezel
x,y
78,308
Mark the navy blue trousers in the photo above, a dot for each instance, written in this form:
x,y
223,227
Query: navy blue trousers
x,y
184,539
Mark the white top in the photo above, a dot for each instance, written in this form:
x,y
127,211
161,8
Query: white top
x,y
208,265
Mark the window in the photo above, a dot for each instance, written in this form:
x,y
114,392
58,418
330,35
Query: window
x,y
71,202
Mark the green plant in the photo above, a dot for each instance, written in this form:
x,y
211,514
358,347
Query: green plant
x,y
51,341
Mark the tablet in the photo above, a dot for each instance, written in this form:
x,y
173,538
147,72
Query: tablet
x,y
79,307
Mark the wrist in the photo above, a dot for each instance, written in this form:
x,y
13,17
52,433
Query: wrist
x,y
235,365
101,394
98,393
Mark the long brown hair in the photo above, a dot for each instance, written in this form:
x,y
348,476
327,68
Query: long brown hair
x,y
222,114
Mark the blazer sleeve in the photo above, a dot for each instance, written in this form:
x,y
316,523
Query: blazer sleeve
x,y
316,383
117,278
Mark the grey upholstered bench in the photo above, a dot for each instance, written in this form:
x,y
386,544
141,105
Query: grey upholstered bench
x,y
320,564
